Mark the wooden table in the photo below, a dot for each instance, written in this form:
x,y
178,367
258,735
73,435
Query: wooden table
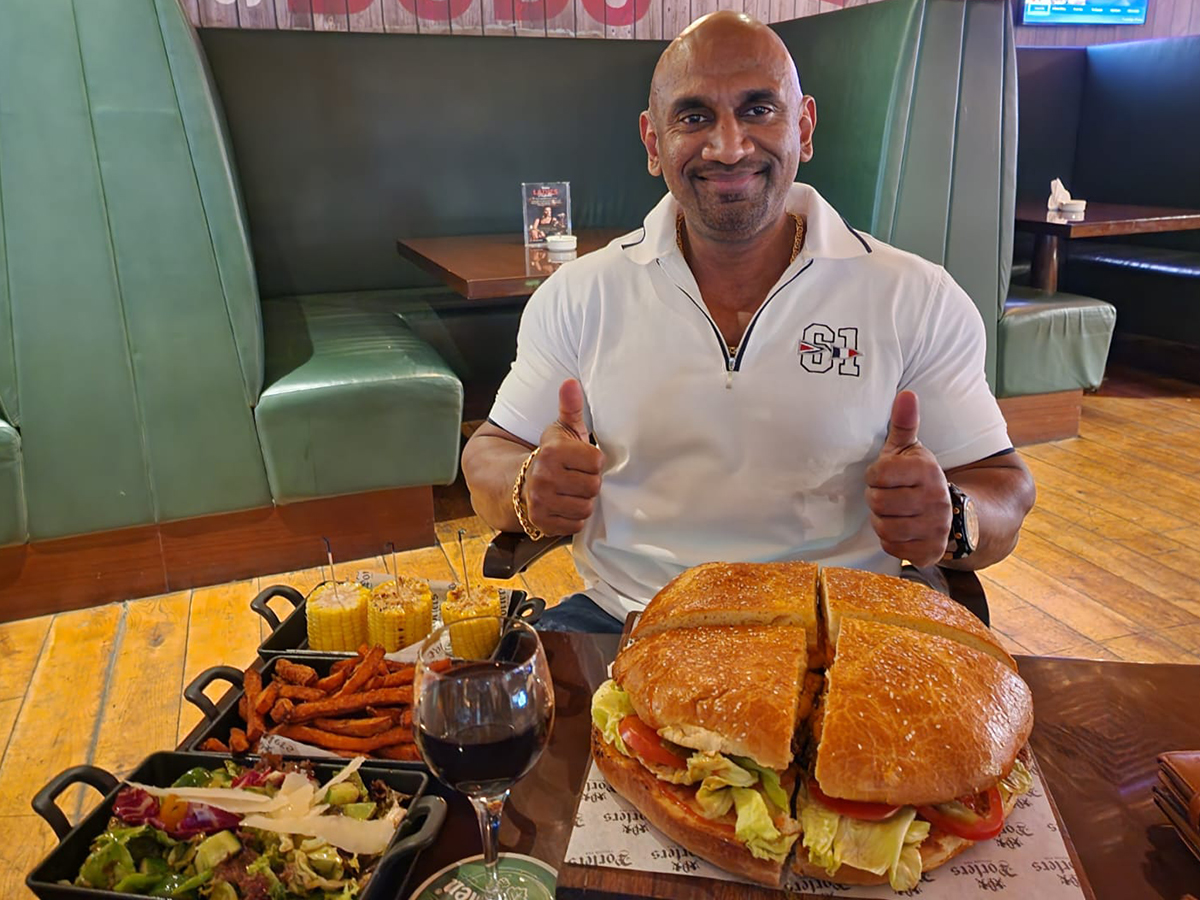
x,y
1098,728
1099,220
490,266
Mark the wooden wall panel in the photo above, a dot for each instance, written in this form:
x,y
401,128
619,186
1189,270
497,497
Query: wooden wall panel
x,y
256,14
587,25
218,14
649,27
561,18
433,16
366,15
677,15
498,18
530,17
399,17
193,12
294,15
469,21
330,15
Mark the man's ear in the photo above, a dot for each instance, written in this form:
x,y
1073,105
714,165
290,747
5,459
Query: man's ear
x,y
808,124
650,139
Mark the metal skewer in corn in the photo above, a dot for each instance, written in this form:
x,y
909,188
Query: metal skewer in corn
x,y
400,611
477,639
337,613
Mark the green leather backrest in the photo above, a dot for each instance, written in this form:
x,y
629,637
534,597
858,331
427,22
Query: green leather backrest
x,y
916,131
132,297
858,64
346,142
1139,128
1051,93
955,198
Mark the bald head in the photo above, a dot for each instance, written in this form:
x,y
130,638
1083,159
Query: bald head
x,y
719,44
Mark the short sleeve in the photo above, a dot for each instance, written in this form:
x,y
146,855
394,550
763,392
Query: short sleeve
x,y
547,355
960,419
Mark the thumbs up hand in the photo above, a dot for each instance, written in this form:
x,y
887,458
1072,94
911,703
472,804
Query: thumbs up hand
x,y
907,495
564,479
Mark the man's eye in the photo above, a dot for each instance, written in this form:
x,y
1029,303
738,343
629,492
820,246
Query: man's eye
x,y
692,118
759,111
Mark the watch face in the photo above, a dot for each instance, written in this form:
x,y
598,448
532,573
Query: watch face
x,y
970,524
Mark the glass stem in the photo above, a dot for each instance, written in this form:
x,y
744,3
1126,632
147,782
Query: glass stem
x,y
489,810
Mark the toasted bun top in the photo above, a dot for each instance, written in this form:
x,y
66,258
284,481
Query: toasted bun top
x,y
782,593
917,718
897,601
732,689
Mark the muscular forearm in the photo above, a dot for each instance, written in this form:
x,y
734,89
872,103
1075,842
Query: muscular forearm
x,y
490,466
1003,493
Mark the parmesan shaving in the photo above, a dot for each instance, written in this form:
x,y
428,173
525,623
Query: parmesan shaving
x,y
349,769
233,800
352,835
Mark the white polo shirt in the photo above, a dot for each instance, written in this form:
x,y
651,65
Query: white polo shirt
x,y
759,457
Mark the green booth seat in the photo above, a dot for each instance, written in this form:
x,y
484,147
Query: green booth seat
x,y
1052,342
12,493
354,400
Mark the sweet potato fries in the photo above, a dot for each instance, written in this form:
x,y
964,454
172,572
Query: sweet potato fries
x,y
364,705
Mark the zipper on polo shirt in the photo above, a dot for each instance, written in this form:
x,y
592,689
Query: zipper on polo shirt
x,y
733,363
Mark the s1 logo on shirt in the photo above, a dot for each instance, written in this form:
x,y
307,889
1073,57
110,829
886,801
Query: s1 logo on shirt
x,y
820,347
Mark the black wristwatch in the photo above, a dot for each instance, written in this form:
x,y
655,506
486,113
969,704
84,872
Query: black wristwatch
x,y
964,525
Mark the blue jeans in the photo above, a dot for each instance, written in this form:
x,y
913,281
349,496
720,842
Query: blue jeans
x,y
579,613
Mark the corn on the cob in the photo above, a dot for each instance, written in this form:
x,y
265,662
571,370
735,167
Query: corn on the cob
x,y
472,640
337,616
399,613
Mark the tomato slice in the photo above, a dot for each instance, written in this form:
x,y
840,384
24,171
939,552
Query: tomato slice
x,y
981,823
645,742
870,812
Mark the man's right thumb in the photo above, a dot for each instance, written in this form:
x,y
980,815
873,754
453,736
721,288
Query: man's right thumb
x,y
570,408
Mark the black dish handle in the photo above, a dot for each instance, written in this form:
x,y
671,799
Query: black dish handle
x,y
259,603
432,810
195,691
43,800
528,609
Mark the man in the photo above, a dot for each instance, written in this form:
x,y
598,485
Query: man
x,y
749,367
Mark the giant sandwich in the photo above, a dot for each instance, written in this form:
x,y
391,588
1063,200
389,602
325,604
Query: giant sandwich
x,y
863,727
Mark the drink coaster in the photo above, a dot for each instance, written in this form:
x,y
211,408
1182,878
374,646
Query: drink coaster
x,y
521,878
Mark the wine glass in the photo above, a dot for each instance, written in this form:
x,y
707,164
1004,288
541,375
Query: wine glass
x,y
484,708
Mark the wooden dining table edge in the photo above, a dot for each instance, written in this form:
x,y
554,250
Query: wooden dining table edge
x,y
423,262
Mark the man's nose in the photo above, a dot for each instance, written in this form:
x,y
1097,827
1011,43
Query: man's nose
x,y
728,142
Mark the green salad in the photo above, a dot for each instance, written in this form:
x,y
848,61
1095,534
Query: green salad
x,y
271,832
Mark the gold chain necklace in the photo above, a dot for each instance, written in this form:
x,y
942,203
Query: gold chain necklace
x,y
797,243
797,240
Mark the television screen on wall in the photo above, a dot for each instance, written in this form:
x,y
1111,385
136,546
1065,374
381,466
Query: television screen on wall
x,y
1083,12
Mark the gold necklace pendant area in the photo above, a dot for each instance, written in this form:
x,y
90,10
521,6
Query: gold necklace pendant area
x,y
797,244
797,240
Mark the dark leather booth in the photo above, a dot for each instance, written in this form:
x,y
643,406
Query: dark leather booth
x,y
1121,123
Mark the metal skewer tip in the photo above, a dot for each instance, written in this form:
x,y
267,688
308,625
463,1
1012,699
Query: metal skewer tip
x,y
462,553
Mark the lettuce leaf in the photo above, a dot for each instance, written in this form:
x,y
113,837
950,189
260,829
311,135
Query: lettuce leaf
x,y
888,847
770,782
610,705
755,828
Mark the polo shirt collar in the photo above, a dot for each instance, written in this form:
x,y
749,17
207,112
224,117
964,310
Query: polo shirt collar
x,y
829,236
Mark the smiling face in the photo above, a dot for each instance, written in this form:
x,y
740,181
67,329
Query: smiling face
x,y
728,126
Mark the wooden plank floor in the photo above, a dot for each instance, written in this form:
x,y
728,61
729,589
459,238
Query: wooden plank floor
x,y
1108,567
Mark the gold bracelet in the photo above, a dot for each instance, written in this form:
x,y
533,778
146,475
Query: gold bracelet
x,y
519,503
